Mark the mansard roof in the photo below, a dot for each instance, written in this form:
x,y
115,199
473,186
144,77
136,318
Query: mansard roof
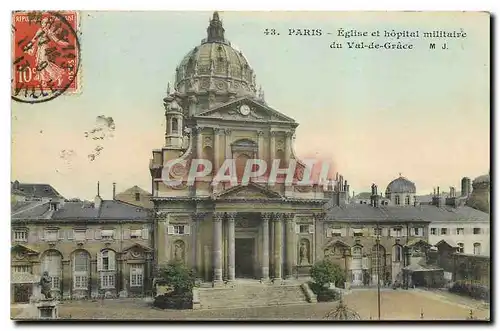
x,y
80,211
422,213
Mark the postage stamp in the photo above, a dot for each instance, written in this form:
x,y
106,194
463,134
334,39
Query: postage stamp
x,y
45,55
356,187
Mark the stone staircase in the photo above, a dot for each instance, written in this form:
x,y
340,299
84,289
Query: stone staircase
x,y
243,295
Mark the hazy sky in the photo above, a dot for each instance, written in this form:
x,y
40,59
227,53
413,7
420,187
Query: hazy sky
x,y
375,113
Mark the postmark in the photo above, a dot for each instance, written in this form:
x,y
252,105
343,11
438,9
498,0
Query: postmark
x,y
45,55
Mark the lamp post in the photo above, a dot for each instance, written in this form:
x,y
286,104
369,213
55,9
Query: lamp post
x,y
377,241
346,254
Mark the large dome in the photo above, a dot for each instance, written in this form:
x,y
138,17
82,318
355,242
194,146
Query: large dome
x,y
401,185
484,179
215,67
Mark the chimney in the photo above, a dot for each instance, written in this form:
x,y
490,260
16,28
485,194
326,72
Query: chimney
x,y
97,199
416,202
466,186
452,200
114,191
436,199
374,198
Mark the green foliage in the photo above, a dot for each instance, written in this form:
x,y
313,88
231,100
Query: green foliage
x,y
472,290
178,277
174,301
324,294
325,272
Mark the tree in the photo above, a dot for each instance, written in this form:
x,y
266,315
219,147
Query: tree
x,y
178,277
326,272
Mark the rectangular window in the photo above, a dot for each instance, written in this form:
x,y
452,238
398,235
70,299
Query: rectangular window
x,y
460,247
107,234
81,282
397,232
476,231
56,282
304,228
179,229
135,234
51,235
105,263
358,234
417,232
444,231
136,275
477,248
460,231
434,231
20,235
337,232
137,197
80,235
377,231
107,280
22,269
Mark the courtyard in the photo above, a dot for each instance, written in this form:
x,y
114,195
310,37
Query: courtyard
x,y
395,305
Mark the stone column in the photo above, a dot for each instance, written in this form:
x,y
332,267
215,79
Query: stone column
x,y
260,144
290,244
288,146
230,239
216,165
196,218
272,150
217,247
278,238
199,142
265,245
228,155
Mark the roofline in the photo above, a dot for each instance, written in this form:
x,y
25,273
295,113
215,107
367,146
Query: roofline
x,y
83,219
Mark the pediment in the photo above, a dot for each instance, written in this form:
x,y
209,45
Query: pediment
x,y
448,243
21,251
250,191
259,112
418,243
138,247
336,243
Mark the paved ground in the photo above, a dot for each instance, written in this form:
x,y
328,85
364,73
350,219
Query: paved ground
x,y
395,305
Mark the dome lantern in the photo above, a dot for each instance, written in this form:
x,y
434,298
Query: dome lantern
x,y
215,31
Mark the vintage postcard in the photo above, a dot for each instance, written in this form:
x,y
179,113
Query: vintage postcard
x,y
250,166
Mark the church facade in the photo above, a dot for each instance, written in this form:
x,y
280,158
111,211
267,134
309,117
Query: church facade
x,y
230,229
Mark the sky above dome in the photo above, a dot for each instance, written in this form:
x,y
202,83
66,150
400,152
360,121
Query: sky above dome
x,y
421,113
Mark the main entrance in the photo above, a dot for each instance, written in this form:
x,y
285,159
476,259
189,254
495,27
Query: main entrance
x,y
244,257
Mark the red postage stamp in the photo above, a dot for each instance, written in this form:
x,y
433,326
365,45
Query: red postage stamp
x,y
45,55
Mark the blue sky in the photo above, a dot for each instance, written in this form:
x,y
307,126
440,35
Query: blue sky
x,y
424,113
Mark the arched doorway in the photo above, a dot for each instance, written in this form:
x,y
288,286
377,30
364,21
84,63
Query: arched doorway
x,y
52,264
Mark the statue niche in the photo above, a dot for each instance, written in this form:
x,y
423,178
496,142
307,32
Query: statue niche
x,y
304,252
46,285
179,251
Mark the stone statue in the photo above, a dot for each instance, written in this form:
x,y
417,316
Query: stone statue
x,y
303,253
179,251
46,285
